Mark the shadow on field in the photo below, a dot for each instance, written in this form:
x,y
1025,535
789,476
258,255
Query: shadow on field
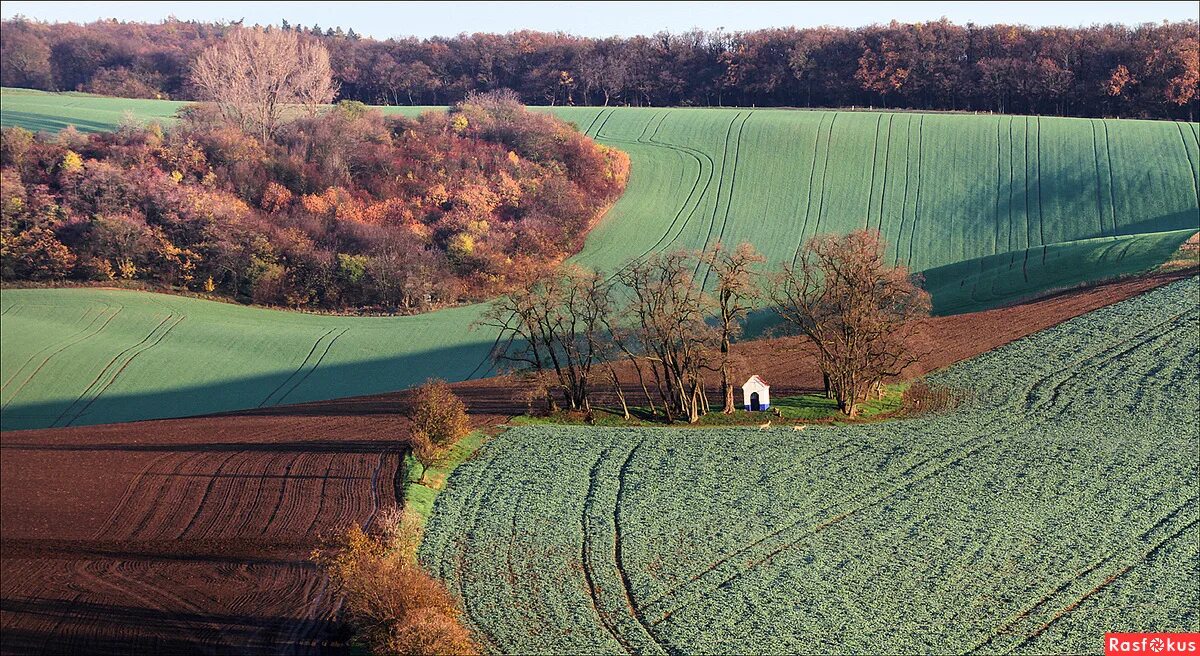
x,y
43,123
297,392
128,629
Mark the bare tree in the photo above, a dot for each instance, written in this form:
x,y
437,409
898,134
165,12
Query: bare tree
x,y
558,325
255,73
666,315
737,289
860,313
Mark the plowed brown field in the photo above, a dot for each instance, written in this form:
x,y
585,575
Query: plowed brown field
x,y
192,535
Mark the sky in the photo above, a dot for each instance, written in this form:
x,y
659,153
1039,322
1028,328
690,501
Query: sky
x,y
600,19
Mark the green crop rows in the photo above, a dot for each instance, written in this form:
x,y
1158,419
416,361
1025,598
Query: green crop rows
x,y
1061,502
990,208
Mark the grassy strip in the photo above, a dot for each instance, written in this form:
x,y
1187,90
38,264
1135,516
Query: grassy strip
x,y
419,497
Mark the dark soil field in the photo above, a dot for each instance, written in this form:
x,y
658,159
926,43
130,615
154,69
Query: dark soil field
x,y
193,534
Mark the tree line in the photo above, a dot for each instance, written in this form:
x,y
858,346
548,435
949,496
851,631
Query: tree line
x,y
665,324
1149,70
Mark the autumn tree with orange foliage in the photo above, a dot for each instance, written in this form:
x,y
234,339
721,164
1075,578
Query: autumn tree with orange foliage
x,y
439,421
860,312
393,605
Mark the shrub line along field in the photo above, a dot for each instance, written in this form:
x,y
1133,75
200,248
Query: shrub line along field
x,y
193,534
1060,502
1067,201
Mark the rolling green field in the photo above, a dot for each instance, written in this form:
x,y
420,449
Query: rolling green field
x,y
990,208
1061,502
74,357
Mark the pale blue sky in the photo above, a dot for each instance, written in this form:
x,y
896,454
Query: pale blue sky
x,y
423,19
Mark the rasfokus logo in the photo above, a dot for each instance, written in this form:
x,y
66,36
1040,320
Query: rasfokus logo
x,y
1153,644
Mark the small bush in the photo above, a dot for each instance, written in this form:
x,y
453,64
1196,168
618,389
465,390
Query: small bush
x,y
922,398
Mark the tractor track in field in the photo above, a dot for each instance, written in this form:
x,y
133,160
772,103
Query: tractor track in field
x,y
1048,598
737,147
887,155
1109,580
1191,164
87,313
104,388
908,156
607,604
1096,162
825,174
618,559
1036,400
912,230
733,181
64,347
589,567
750,556
874,165
315,346
328,346
700,157
1112,198
132,349
812,172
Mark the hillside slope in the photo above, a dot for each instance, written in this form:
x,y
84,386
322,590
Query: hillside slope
x,y
990,208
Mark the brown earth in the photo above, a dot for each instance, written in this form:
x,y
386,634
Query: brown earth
x,y
192,535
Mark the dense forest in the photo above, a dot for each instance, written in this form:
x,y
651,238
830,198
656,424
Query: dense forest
x,y
1150,70
338,209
